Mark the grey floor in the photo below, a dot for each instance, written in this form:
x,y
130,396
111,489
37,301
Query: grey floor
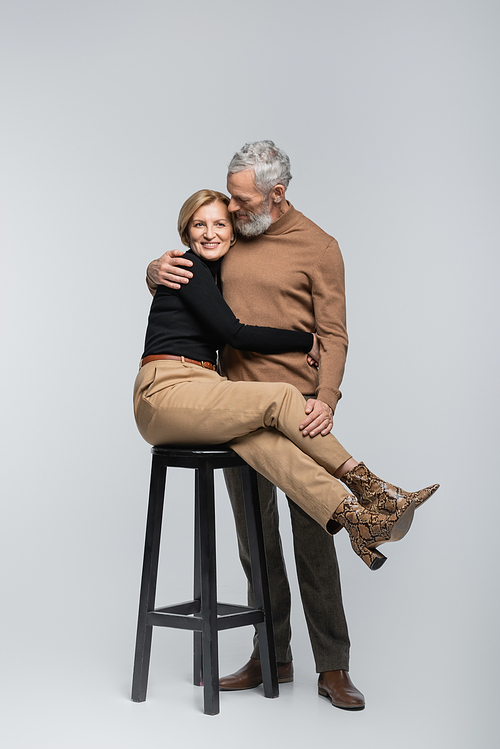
x,y
66,673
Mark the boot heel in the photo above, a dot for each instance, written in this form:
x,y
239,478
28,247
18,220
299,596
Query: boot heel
x,y
368,530
373,558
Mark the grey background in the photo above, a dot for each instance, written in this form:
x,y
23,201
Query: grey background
x,y
112,114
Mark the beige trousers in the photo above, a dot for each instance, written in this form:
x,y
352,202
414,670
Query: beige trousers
x,y
183,404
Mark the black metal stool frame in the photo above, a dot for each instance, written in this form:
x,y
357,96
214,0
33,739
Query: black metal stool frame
x,y
203,615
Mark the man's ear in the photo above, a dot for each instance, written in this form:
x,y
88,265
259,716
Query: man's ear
x,y
278,193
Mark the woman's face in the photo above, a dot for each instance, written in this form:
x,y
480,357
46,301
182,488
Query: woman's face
x,y
211,231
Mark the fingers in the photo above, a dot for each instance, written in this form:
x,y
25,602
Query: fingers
x,y
310,403
177,275
319,419
173,269
321,425
170,284
177,262
313,355
171,254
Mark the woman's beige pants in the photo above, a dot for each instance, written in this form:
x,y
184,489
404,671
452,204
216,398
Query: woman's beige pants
x,y
183,404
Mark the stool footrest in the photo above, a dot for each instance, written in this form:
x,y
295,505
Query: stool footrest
x,y
187,615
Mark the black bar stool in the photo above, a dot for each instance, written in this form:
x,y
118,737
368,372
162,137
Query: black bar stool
x,y
203,615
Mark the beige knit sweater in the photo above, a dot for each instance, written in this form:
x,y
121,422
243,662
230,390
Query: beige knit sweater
x,y
290,277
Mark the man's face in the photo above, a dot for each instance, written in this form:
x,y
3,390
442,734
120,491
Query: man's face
x,y
252,210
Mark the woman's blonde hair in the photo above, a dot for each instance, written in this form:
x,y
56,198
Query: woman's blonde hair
x,y
191,205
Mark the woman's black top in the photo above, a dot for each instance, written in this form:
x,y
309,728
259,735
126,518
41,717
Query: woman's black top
x,y
195,321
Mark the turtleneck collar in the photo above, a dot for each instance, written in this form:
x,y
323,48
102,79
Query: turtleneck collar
x,y
285,222
212,265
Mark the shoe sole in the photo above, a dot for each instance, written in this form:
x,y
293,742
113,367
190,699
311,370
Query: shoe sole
x,y
287,680
403,524
400,527
324,693
398,531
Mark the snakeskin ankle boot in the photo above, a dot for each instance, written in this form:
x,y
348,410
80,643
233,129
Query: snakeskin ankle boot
x,y
378,495
367,529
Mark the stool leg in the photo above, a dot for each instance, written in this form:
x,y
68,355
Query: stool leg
x,y
149,577
197,636
260,581
205,493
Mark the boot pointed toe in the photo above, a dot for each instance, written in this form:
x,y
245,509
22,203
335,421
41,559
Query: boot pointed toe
x,y
378,495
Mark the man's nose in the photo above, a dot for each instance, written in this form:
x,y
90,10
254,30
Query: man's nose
x,y
233,206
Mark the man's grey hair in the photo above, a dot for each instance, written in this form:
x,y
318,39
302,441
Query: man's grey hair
x,y
271,165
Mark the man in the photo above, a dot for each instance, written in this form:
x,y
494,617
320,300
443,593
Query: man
x,y
285,271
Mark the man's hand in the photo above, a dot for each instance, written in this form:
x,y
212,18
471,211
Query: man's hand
x,y
319,419
168,270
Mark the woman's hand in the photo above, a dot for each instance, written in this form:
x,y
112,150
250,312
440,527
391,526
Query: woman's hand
x,y
314,355
168,270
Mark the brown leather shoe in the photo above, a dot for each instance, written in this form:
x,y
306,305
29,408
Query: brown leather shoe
x,y
338,687
250,676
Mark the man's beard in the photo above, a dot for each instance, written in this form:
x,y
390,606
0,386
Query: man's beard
x,y
255,224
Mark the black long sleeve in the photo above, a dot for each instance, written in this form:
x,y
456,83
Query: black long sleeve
x,y
195,320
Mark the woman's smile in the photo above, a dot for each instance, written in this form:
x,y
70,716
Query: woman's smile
x,y
211,231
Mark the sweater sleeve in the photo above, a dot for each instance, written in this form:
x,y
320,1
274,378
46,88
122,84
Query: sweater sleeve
x,y
328,291
203,297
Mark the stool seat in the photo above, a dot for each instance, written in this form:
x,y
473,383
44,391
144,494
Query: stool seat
x,y
197,454
203,614
171,450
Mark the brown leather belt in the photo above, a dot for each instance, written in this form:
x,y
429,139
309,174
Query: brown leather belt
x,y
158,357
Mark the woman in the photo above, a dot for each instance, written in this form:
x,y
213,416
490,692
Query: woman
x,y
180,399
